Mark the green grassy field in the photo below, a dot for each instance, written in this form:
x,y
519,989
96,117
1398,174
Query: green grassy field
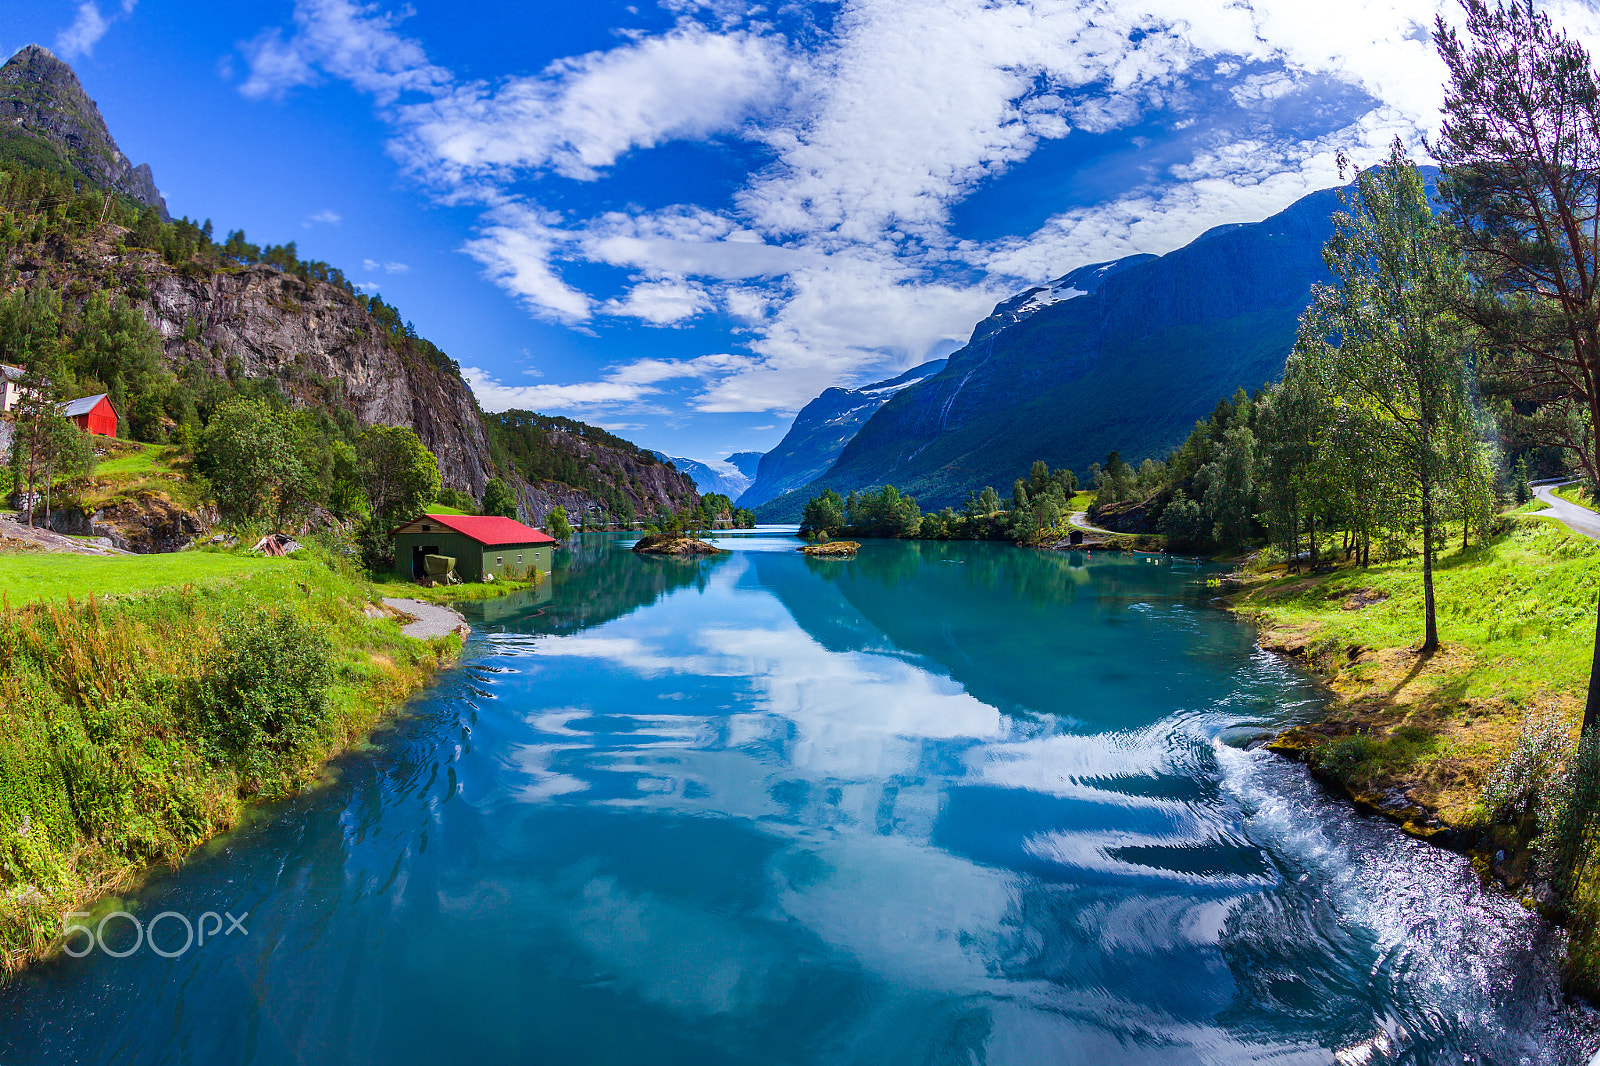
x,y
1522,609
27,577
439,508
398,587
119,733
139,460
1575,494
1516,624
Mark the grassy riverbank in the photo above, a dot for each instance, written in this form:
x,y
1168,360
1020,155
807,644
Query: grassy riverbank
x,y
132,730
1419,739
52,578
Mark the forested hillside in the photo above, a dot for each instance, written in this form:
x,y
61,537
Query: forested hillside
x,y
100,292
1120,356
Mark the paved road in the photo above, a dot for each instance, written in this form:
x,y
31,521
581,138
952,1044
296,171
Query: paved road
x,y
1081,520
1578,519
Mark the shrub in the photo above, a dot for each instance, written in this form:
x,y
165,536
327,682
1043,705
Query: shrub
x,y
375,545
1344,756
461,501
265,691
1520,783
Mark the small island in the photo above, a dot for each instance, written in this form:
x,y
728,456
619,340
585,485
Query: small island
x,y
834,549
670,544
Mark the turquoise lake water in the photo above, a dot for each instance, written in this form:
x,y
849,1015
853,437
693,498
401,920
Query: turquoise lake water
x,y
943,803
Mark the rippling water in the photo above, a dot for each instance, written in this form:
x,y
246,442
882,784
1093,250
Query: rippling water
x,y
939,804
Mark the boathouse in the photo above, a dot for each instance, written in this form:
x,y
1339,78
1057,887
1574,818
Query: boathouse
x,y
481,545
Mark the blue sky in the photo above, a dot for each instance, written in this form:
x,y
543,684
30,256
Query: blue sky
x,y
682,219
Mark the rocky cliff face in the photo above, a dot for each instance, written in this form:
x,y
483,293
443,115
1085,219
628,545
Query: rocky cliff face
x,y
314,338
40,96
319,342
650,486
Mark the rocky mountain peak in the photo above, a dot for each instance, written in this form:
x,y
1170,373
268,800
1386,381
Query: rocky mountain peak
x,y
41,97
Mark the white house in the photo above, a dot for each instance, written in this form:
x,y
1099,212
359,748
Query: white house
x,y
10,386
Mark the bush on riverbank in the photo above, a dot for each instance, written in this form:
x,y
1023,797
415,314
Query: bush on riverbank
x,y
133,730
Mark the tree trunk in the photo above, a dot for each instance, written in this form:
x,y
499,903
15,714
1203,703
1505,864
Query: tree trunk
x,y
49,479
1311,520
1430,638
33,455
1591,709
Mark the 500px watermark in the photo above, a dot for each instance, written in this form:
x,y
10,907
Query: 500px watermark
x,y
207,927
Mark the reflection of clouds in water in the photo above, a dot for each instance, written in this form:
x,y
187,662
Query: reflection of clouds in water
x,y
1148,925
678,956
1091,852
856,713
912,913
646,660
681,957
1059,765
534,760
855,731
1078,766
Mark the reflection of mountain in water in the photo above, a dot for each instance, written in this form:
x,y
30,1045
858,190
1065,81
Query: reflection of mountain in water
x,y
1027,632
596,581
767,821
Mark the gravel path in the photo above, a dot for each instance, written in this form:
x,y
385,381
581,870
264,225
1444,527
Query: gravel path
x,y
432,620
1578,519
1080,519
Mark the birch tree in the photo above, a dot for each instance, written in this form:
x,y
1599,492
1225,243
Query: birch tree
x,y
1385,347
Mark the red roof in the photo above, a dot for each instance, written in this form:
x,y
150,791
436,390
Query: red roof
x,y
492,529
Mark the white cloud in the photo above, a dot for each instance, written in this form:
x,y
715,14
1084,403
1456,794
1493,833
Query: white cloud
x,y
630,384
580,114
850,319
351,41
661,303
88,27
517,246
387,267
838,256
325,217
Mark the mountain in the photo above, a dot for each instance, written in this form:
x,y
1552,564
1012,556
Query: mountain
x,y
1122,356
716,476
49,121
594,474
239,317
819,433
746,463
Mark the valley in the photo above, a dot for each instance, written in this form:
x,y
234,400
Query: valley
x,y
873,577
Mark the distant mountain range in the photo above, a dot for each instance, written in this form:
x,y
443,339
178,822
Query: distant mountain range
x,y
820,432
730,476
1123,356
746,463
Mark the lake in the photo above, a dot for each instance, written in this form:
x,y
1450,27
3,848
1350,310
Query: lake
x,y
941,803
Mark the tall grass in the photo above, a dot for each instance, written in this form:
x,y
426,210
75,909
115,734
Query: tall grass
x,y
132,731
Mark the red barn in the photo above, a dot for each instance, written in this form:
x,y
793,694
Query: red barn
x,y
94,414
